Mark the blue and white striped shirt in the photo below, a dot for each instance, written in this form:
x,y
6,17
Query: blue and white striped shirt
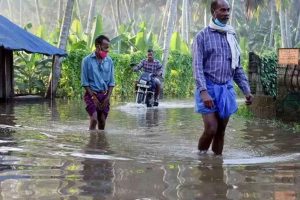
x,y
212,60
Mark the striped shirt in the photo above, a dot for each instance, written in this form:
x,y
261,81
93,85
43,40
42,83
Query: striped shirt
x,y
212,60
154,67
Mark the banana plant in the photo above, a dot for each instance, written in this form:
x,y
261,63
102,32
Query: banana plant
x,y
178,44
31,73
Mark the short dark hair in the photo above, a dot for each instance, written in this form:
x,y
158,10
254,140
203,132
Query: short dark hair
x,y
150,51
100,39
213,6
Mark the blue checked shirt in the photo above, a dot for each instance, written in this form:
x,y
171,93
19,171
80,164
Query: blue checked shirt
x,y
154,67
98,76
212,60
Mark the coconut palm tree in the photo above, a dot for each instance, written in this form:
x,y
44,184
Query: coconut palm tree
x,y
169,31
185,31
90,17
64,33
37,7
164,21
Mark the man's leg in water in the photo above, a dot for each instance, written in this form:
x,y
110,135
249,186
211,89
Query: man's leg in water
x,y
210,129
218,140
101,120
93,121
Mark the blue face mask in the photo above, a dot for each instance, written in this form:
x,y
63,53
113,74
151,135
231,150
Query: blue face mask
x,y
217,22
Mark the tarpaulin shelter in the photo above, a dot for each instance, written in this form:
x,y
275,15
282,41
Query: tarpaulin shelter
x,y
15,38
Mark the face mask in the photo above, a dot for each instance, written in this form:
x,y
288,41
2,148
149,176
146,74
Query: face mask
x,y
217,22
102,54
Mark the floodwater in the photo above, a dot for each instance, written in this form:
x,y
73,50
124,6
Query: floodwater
x,y
47,152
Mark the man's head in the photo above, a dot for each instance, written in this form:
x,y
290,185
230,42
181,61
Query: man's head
x,y
150,55
220,10
102,46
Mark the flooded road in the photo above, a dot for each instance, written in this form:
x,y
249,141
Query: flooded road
x,y
47,152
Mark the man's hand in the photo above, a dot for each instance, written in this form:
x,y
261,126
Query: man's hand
x,y
207,100
104,103
249,99
135,69
96,101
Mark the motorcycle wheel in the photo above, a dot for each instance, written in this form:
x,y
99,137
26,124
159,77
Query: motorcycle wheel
x,y
149,100
140,97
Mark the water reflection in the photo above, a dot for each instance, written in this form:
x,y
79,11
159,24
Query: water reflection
x,y
145,153
150,118
97,174
7,116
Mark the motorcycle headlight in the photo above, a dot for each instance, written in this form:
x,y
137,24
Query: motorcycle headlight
x,y
143,82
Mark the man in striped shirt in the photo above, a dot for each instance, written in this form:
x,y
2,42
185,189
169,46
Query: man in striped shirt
x,y
153,66
216,64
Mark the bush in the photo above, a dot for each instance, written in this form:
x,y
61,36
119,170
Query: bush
x,y
178,82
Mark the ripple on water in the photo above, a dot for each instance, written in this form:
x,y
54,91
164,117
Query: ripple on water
x,y
265,159
98,156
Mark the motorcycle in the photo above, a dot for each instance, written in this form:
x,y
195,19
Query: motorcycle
x,y
145,90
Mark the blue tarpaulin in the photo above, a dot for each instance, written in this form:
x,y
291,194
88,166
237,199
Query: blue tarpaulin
x,y
12,37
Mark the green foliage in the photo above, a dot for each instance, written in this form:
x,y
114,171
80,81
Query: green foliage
x,y
268,73
177,43
244,111
124,76
70,85
179,80
31,73
126,42
97,30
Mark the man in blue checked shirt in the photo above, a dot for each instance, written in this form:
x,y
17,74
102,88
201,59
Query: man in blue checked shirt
x,y
153,66
216,64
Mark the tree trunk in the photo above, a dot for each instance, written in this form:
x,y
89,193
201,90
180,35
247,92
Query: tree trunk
x,y
9,9
287,29
232,12
118,13
20,12
297,31
130,18
127,10
164,22
282,26
114,17
132,6
205,17
63,38
169,31
273,21
78,13
185,21
90,17
60,12
37,7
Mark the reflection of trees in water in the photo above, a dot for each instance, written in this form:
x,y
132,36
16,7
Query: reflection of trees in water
x,y
269,138
97,174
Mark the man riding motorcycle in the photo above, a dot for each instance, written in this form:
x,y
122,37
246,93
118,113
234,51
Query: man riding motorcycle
x,y
154,67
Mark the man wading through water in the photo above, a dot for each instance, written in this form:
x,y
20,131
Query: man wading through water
x,y
216,64
97,77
